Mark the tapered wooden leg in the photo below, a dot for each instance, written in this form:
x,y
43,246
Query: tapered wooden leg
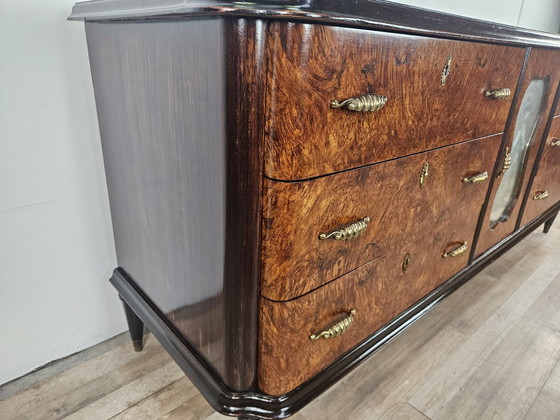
x,y
135,327
548,223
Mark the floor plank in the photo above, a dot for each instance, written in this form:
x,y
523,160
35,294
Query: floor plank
x,y
490,350
547,404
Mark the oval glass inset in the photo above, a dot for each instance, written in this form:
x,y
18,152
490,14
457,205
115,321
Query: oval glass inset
x,y
529,113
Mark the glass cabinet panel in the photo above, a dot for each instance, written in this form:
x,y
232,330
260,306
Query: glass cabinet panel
x,y
527,119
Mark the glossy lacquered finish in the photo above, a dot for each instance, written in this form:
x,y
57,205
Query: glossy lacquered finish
x,y
306,137
372,14
185,201
547,177
542,64
439,214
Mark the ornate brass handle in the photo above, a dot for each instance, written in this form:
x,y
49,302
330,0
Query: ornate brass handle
x,y
457,251
365,103
555,143
540,195
345,233
424,174
502,93
476,179
337,329
507,162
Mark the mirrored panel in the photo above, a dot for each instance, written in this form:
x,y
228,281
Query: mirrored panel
x,y
527,118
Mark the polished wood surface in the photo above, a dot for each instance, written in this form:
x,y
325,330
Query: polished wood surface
x,y
542,64
491,349
181,210
372,14
312,65
547,178
243,177
440,214
225,161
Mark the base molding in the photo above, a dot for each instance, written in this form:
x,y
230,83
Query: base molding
x,y
255,405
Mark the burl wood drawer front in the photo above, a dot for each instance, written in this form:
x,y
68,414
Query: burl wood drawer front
x,y
545,190
312,65
377,292
441,213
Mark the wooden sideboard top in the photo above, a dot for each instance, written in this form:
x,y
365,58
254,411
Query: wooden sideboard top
x,y
374,14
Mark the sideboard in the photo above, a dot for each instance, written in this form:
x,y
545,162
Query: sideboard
x,y
293,183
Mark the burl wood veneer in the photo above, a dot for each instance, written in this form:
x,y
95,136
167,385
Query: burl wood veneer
x,y
545,188
543,65
294,259
225,161
305,137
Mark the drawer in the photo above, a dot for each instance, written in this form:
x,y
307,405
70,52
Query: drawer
x,y
545,190
441,212
312,65
377,291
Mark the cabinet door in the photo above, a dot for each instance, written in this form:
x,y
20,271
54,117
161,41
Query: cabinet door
x,y
545,190
434,94
539,85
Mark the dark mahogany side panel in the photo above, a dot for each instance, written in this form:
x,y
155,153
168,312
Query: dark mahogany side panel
x,y
161,97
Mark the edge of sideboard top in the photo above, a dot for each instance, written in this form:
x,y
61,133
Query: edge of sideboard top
x,y
372,14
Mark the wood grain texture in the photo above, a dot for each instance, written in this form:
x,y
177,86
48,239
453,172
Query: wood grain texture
x,y
378,290
183,179
243,175
542,64
438,215
311,65
165,173
547,177
371,14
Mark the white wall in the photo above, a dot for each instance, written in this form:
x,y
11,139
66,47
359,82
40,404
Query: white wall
x,y
56,246
542,15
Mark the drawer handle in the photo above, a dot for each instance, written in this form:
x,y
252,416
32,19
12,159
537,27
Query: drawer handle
x,y
506,164
555,143
457,251
446,71
406,262
502,93
345,233
337,329
424,174
540,195
476,179
365,103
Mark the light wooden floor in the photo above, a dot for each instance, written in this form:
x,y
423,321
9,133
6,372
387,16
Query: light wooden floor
x,y
490,350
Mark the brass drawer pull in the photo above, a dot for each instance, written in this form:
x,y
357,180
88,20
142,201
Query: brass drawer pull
x,y
345,233
555,143
502,93
540,195
476,179
406,262
365,103
424,174
337,329
457,251
506,164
